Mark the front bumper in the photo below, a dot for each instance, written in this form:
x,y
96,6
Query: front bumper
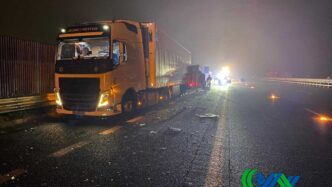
x,y
94,113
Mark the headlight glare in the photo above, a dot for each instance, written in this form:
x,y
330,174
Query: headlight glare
x,y
103,100
58,99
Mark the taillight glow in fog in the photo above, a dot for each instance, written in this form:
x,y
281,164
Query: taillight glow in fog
x,y
324,118
273,97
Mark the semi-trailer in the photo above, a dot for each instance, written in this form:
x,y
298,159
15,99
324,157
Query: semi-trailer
x,y
110,67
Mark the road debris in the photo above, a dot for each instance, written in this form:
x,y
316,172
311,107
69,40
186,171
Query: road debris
x,y
153,132
207,115
175,129
142,124
12,175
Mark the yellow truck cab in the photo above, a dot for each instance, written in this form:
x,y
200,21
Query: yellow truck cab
x,y
109,67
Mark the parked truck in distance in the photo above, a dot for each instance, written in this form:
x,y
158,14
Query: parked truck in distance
x,y
194,78
109,67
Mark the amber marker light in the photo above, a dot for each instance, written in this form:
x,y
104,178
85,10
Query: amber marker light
x,y
273,96
324,118
139,103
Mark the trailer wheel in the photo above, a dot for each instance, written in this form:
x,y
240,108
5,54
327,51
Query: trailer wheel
x,y
129,103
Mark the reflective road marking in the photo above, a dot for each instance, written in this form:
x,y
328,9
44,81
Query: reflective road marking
x,y
68,149
136,119
311,111
110,131
80,144
214,175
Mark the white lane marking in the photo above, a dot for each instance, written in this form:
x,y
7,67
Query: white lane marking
x,y
68,149
214,175
12,175
311,111
110,131
80,144
136,119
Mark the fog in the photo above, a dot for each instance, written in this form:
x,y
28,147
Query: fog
x,y
253,37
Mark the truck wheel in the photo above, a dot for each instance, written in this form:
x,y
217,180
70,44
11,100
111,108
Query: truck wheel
x,y
129,104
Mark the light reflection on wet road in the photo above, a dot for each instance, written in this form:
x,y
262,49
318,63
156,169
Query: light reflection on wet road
x,y
168,145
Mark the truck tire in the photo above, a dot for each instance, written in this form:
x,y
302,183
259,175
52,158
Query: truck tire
x,y
129,103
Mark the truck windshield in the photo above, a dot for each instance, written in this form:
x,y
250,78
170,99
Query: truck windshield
x,y
85,48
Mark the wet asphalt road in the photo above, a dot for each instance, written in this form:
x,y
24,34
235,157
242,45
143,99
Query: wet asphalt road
x,y
168,145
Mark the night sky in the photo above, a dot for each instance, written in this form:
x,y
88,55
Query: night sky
x,y
251,36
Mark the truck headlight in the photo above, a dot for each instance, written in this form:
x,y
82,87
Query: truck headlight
x,y
58,99
103,100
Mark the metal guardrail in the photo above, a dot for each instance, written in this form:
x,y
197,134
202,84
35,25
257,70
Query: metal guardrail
x,y
26,67
327,83
25,103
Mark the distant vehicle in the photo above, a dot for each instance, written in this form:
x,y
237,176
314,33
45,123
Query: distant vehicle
x,y
194,78
110,67
224,76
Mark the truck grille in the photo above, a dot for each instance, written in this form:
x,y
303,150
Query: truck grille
x,y
79,94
